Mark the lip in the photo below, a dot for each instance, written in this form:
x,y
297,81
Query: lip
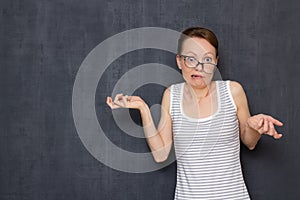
x,y
196,76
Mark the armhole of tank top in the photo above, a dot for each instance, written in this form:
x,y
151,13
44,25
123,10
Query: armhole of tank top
x,y
230,94
171,100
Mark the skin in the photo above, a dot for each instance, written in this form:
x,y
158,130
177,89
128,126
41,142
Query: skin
x,y
160,139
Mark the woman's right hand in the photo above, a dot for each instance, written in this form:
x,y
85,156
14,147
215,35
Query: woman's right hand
x,y
124,101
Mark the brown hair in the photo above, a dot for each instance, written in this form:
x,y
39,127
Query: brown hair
x,y
198,32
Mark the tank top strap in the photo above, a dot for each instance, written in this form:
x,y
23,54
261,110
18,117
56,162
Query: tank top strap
x,y
175,92
226,96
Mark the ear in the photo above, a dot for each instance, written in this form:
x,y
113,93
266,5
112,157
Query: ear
x,y
178,60
217,60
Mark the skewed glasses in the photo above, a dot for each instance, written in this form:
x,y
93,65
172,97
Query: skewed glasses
x,y
192,62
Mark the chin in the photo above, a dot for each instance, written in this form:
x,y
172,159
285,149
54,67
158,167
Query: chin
x,y
197,84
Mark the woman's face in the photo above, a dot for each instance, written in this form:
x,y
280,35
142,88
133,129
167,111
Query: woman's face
x,y
204,52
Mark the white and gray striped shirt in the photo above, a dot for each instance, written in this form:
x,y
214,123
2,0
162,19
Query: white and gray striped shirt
x,y
207,149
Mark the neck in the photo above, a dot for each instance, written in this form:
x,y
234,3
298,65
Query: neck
x,y
202,92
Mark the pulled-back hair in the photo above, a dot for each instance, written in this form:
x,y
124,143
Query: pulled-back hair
x,y
199,32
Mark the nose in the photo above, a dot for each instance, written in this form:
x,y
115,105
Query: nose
x,y
199,67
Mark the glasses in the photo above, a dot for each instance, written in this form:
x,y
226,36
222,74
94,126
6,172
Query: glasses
x,y
192,62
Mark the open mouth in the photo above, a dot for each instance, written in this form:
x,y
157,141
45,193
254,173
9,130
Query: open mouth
x,y
196,76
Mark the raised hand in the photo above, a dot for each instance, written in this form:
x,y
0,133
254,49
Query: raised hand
x,y
125,101
264,124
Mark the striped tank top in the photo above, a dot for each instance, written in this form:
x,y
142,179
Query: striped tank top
x,y
207,149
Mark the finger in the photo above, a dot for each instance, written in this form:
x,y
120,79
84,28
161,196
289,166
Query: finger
x,y
260,122
266,125
275,121
118,104
262,129
125,100
277,136
110,103
118,97
119,100
271,129
274,132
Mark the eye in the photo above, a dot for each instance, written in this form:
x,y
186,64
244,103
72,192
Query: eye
x,y
207,59
191,59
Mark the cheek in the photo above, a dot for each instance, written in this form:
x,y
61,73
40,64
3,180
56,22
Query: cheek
x,y
186,73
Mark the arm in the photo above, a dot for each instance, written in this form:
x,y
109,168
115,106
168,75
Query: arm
x,y
159,140
251,127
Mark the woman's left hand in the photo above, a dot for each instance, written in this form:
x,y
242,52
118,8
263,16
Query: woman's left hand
x,y
264,124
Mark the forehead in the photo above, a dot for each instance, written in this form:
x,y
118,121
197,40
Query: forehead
x,y
198,46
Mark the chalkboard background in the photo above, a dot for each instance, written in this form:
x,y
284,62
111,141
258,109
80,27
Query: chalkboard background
x,y
43,44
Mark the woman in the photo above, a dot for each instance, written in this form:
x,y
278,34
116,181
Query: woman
x,y
207,120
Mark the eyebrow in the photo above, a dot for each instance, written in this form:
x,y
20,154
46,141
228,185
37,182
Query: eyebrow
x,y
191,52
208,53
197,55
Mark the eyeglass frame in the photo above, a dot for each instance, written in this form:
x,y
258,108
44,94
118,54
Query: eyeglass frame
x,y
202,64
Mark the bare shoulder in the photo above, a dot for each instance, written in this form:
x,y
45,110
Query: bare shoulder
x,y
167,93
166,98
238,94
236,88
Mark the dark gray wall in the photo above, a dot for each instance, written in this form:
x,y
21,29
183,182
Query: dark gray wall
x,y
42,46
